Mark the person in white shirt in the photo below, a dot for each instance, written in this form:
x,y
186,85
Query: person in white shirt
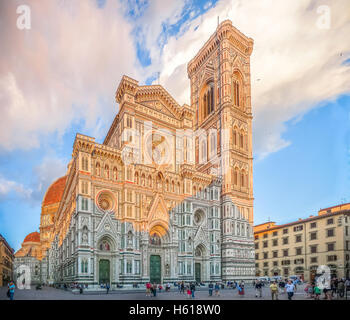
x,y
290,288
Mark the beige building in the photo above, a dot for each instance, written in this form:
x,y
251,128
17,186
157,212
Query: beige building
x,y
6,262
300,247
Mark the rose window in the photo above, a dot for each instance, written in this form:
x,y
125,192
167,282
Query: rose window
x,y
105,201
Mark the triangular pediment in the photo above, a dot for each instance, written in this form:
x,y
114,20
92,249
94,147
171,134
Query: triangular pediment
x,y
201,237
157,98
158,106
158,213
106,224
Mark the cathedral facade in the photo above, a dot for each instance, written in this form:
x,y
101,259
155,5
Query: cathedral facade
x,y
168,195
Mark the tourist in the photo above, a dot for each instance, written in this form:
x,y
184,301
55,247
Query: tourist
x,y
274,290
154,290
182,287
11,290
160,288
317,292
189,293
167,287
210,286
217,289
107,287
258,289
240,288
311,290
340,288
295,282
193,289
281,286
148,289
290,288
179,286
334,284
347,284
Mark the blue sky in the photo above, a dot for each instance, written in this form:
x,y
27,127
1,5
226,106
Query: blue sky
x,y
301,122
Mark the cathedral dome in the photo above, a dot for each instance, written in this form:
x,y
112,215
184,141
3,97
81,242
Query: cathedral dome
x,y
55,192
32,237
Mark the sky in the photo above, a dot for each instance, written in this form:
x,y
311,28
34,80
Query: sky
x,y
59,77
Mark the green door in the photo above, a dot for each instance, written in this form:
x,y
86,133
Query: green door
x,y
197,267
104,271
155,269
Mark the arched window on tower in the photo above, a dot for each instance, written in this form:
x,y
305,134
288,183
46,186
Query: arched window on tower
x,y
235,177
207,100
236,89
167,185
242,179
234,137
241,140
115,174
106,172
98,169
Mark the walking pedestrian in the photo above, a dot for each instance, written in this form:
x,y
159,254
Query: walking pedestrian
x,y
340,288
182,287
334,284
188,292
258,289
148,289
154,290
11,290
281,285
317,292
217,289
240,288
107,287
274,291
210,286
193,289
290,288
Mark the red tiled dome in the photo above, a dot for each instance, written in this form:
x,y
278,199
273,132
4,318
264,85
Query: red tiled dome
x,y
55,192
32,237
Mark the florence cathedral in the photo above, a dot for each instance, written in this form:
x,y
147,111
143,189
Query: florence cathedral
x,y
168,195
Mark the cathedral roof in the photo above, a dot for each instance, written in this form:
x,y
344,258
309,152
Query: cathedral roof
x,y
55,192
32,237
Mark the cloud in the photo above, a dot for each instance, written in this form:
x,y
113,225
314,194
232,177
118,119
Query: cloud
x,y
49,170
67,66
299,65
8,186
61,69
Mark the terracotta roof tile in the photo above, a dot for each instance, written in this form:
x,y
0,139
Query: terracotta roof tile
x,y
55,192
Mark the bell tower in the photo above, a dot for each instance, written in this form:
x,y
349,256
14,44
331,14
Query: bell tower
x,y
221,99
220,96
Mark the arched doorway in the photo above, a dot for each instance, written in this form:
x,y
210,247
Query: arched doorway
x,y
104,261
158,254
155,260
199,255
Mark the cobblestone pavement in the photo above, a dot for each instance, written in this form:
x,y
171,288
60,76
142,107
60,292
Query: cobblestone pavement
x,y
48,293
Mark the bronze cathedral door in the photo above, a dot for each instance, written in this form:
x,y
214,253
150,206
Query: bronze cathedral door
x,y
155,269
104,271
